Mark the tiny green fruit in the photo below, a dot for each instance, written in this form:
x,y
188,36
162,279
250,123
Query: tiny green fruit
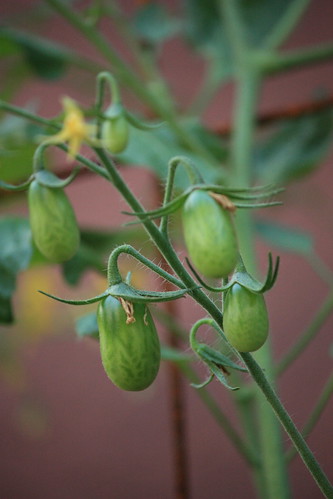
x,y
130,350
53,222
115,134
209,235
245,319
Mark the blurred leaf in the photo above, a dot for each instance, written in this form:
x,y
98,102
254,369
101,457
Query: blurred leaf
x,y
260,17
94,250
7,47
209,354
295,149
6,312
153,24
17,146
286,238
47,59
208,34
154,150
16,243
175,355
210,140
86,325
15,255
205,32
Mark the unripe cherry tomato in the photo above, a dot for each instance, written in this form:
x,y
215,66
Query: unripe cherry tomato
x,y
209,235
130,352
245,319
53,222
115,134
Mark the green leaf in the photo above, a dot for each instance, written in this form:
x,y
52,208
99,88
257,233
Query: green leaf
x,y
209,354
15,254
295,149
284,237
175,355
207,32
260,17
94,249
16,244
154,150
6,312
47,59
17,146
86,325
153,24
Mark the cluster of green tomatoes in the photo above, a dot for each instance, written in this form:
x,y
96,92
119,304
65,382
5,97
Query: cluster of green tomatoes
x,y
129,344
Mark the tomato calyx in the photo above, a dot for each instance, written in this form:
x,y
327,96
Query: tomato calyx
x,y
217,363
231,199
243,278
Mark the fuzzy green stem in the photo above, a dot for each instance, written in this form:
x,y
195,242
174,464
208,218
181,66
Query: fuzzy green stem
x,y
113,273
248,81
102,78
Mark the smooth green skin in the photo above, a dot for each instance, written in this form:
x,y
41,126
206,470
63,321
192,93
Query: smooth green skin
x,y
115,134
53,223
130,352
209,235
245,319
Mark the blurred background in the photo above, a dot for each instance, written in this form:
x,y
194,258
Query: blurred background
x,y
65,431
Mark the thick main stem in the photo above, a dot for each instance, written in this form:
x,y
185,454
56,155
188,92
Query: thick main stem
x,y
274,467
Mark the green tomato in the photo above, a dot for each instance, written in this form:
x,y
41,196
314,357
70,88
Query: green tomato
x,y
115,134
209,235
53,222
245,319
130,352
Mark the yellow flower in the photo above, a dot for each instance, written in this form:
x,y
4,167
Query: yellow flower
x,y
75,130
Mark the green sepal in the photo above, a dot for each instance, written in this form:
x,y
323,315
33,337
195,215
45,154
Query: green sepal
x,y
204,383
257,192
123,290
209,354
218,373
243,278
234,194
167,209
75,302
141,125
19,187
49,179
216,362
114,111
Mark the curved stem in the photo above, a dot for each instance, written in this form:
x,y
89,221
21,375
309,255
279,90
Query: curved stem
x,y
113,273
